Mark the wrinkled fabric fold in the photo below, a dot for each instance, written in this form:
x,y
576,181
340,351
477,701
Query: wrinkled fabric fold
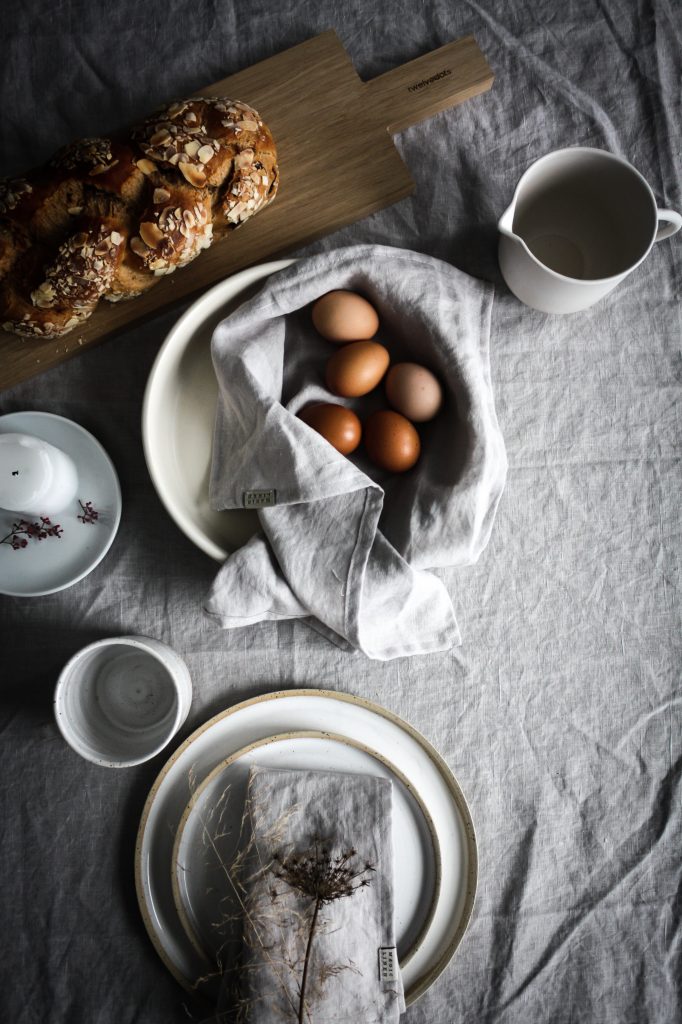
x,y
346,547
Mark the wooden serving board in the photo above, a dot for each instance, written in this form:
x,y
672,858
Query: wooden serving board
x,y
337,164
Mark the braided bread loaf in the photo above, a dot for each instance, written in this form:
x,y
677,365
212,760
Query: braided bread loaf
x,y
107,219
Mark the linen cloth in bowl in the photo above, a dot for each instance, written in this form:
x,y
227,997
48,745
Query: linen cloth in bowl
x,y
346,546
292,812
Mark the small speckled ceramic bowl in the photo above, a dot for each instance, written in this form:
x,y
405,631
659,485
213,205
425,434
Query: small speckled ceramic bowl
x,y
118,702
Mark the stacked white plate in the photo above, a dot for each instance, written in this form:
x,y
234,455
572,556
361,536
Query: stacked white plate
x,y
191,823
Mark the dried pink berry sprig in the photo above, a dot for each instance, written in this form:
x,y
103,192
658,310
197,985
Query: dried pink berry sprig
x,y
89,514
24,530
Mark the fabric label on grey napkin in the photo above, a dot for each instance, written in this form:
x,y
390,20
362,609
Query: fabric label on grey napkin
x,y
260,499
319,899
388,963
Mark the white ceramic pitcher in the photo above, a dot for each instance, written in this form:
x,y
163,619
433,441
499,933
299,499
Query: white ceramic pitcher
x,y
580,221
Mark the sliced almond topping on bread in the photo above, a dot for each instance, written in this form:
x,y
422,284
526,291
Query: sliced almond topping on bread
x,y
160,138
194,174
138,247
151,233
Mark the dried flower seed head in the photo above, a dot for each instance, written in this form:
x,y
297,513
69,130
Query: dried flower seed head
x,y
320,874
323,877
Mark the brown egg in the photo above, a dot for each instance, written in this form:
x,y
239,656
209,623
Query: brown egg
x,y
344,316
414,391
338,425
357,368
391,441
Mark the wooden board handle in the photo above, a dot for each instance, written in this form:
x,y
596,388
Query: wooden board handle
x,y
429,84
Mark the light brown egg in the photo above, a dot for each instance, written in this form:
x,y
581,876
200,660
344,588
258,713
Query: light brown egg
x,y
356,368
414,391
342,316
338,425
391,441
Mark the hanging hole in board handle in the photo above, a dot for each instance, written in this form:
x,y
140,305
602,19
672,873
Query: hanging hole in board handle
x,y
672,225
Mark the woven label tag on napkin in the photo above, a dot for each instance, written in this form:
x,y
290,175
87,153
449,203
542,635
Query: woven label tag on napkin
x,y
260,499
388,963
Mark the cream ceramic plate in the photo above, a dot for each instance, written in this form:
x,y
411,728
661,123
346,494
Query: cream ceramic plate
x,y
367,725
209,833
178,413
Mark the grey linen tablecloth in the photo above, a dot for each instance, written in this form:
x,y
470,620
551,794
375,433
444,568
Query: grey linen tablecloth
x,y
344,545
327,817
561,712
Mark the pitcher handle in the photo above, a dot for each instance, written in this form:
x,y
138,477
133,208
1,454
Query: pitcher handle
x,y
673,225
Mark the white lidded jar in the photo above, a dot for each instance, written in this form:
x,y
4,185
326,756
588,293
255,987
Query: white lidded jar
x,y
36,478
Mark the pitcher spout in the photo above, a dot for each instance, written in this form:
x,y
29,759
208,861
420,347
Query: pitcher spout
x,y
506,221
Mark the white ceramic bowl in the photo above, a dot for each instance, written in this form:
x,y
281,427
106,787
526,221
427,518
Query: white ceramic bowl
x,y
179,411
118,702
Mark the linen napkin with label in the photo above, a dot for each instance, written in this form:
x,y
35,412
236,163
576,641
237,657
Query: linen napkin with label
x,y
319,916
344,546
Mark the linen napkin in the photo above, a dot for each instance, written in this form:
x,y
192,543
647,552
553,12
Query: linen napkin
x,y
345,546
336,819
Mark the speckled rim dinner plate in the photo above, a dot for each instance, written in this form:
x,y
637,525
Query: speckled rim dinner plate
x,y
178,413
209,830
298,711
